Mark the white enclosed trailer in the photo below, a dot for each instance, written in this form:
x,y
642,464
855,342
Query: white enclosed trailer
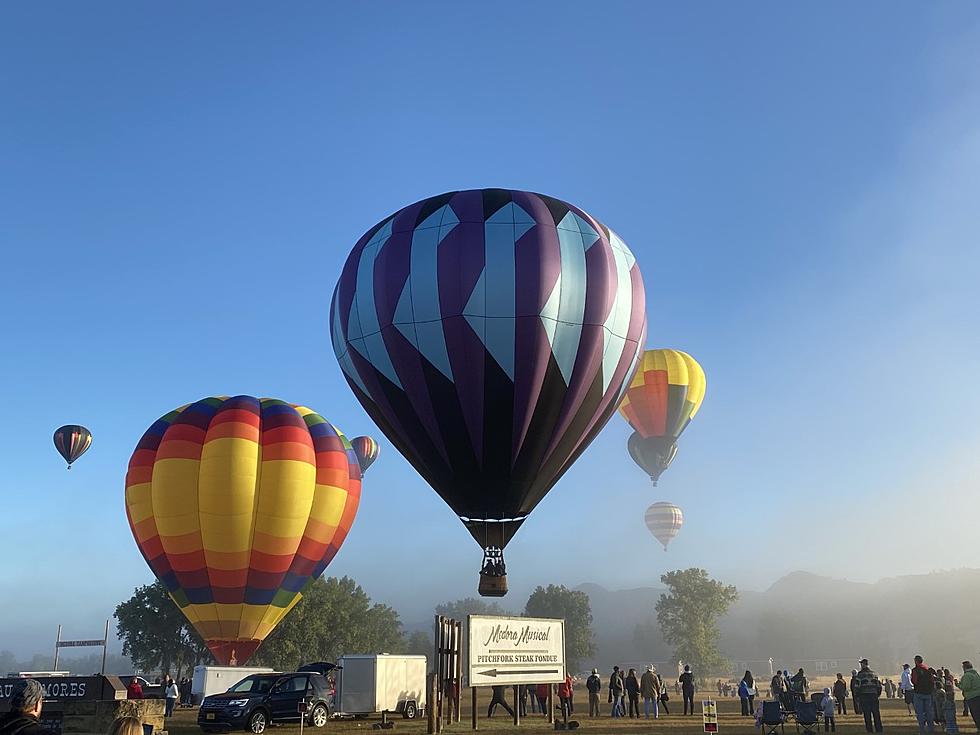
x,y
210,680
381,683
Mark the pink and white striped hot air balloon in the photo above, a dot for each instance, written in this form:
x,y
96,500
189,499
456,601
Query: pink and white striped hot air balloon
x,y
664,521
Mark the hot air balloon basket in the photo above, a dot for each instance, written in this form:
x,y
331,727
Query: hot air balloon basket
x,y
493,586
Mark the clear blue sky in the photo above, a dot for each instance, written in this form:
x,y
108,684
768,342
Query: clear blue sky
x,y
180,184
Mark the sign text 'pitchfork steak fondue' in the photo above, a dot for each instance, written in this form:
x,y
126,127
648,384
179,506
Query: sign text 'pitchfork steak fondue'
x,y
515,650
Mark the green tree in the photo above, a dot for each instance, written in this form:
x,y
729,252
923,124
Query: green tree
x,y
688,615
419,643
334,617
155,634
459,609
557,601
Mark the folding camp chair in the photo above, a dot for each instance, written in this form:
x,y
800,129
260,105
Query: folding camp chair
x,y
772,717
806,718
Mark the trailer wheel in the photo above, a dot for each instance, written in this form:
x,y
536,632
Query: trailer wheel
x,y
411,711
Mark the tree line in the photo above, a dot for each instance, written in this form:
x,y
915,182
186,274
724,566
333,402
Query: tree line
x,y
335,616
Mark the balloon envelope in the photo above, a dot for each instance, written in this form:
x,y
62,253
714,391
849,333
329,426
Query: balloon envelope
x,y
367,450
664,521
237,504
490,335
663,397
72,441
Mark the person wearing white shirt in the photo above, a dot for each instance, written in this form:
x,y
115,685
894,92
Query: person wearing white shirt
x,y
906,688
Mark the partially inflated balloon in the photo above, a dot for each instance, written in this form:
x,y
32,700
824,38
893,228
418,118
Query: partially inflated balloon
x,y
664,521
72,441
664,396
490,334
366,449
237,505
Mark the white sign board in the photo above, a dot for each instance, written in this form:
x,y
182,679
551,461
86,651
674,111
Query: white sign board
x,y
515,651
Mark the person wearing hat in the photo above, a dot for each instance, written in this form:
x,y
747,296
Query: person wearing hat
x,y
594,685
650,691
868,692
26,700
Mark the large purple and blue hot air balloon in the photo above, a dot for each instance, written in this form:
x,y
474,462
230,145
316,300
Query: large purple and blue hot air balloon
x,y
490,334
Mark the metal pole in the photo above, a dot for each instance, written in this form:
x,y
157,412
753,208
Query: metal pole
x,y
57,649
517,708
473,713
551,704
105,646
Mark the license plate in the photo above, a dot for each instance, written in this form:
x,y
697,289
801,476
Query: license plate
x,y
209,716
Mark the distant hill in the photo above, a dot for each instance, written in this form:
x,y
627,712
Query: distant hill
x,y
811,620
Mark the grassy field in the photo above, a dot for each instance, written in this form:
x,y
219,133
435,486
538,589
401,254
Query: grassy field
x,y
893,712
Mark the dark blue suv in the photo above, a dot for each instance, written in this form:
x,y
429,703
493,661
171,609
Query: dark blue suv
x,y
262,699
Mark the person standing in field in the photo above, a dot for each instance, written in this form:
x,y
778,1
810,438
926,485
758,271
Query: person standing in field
x,y
686,681
632,686
499,697
650,691
828,706
868,692
664,695
840,694
905,687
541,691
969,684
594,685
171,693
854,696
923,700
565,695
746,693
616,690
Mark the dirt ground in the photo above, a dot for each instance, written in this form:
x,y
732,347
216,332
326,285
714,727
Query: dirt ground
x,y
894,717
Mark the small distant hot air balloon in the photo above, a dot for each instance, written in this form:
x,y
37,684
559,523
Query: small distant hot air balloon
x,y
490,335
72,441
664,521
367,450
237,505
666,393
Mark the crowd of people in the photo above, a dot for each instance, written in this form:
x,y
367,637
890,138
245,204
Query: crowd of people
x,y
172,691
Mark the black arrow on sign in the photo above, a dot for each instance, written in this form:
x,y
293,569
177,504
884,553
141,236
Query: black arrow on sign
x,y
494,672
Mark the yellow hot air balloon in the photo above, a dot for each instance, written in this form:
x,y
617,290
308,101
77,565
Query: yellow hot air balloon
x,y
665,394
664,521
237,505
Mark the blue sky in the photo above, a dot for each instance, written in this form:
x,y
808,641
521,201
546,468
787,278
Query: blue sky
x,y
180,184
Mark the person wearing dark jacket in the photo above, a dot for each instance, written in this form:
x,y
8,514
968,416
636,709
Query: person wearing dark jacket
x,y
923,696
868,691
499,697
26,701
632,685
840,694
855,700
594,685
746,693
616,690
686,680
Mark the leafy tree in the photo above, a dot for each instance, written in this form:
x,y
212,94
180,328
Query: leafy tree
x,y
155,634
459,609
574,606
688,615
334,617
419,643
8,663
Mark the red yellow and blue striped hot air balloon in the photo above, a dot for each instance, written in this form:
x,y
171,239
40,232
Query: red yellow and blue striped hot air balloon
x,y
237,505
367,450
665,394
664,521
72,441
